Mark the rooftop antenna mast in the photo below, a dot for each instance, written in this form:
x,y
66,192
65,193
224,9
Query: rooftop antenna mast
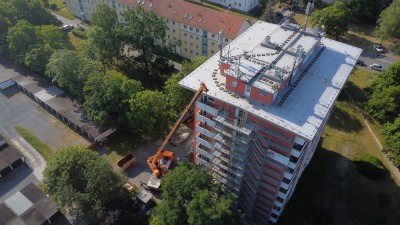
x,y
220,39
309,8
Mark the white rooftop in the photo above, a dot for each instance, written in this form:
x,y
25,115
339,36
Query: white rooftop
x,y
308,104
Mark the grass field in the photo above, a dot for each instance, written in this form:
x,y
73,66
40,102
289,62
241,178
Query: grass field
x,y
65,13
331,190
211,6
41,147
122,143
60,4
73,42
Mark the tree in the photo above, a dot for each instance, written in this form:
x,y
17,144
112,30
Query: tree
x,y
192,64
335,19
32,11
70,70
107,98
149,112
191,197
389,21
105,17
366,10
37,58
384,105
383,102
392,141
50,35
207,207
145,33
103,45
84,182
177,97
268,13
21,38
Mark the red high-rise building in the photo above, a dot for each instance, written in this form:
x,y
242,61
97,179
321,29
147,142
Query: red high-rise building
x,y
271,92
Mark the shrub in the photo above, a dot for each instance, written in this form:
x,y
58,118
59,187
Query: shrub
x,y
79,32
52,6
396,49
370,166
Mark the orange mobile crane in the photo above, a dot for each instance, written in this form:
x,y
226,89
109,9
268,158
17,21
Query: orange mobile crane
x,y
160,162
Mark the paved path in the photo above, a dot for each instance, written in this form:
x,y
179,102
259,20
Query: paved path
x,y
74,22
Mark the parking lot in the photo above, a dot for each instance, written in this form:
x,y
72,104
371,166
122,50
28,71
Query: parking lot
x,y
16,109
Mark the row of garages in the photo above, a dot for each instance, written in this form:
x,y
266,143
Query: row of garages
x,y
10,158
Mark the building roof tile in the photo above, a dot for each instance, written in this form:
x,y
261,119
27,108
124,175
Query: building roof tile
x,y
192,15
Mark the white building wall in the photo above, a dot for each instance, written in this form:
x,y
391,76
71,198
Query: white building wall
x,y
240,5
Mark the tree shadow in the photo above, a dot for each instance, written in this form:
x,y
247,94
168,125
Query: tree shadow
x,y
332,192
343,121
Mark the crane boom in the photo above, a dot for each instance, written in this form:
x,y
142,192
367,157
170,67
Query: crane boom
x,y
153,161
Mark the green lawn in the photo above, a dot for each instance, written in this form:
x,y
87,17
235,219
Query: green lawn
x,y
60,4
73,42
331,190
122,143
211,6
65,13
41,147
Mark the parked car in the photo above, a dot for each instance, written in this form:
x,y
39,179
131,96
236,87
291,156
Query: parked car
x,y
379,48
375,66
67,27
360,63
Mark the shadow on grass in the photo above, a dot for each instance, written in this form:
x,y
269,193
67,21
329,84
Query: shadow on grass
x,y
332,192
343,121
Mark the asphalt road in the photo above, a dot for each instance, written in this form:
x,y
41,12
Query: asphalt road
x,y
383,59
74,22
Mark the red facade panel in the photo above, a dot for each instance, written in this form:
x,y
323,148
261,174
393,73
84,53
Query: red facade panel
x,y
265,98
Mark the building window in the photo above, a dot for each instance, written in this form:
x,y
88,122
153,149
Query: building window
x,y
240,4
197,30
185,34
191,51
185,49
173,22
212,43
185,42
261,92
205,36
184,26
226,40
197,38
197,53
204,53
197,46
209,99
173,30
234,84
174,38
279,199
213,35
167,21
191,36
168,36
273,215
212,51
205,44
191,28
191,44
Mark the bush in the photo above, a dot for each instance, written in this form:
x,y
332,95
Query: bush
x,y
52,6
396,49
370,166
79,32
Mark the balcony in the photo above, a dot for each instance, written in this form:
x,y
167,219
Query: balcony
x,y
204,119
202,161
203,142
204,131
288,175
246,129
209,109
200,149
296,153
282,195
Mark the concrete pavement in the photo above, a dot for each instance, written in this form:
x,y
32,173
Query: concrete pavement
x,y
75,22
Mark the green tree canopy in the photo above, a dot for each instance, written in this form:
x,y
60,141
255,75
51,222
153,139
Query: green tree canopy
x,y
366,10
268,13
392,141
383,103
70,70
192,64
335,19
191,197
177,97
50,35
84,182
21,38
149,112
105,17
38,57
32,11
103,45
107,98
389,21
145,33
